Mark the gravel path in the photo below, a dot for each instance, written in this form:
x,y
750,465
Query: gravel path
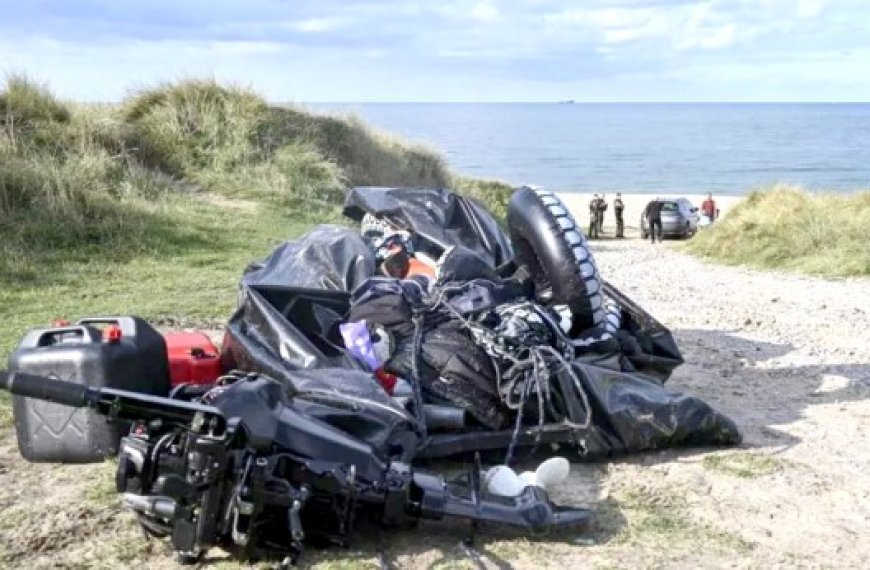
x,y
788,357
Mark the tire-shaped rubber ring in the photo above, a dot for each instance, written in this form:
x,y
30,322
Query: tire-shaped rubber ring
x,y
550,244
612,316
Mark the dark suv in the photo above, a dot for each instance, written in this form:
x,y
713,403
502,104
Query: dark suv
x,y
679,218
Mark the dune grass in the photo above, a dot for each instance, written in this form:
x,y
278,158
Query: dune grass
x,y
117,180
784,227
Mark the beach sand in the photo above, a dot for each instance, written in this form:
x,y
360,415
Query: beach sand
x,y
578,203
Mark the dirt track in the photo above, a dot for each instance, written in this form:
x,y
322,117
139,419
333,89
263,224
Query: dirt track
x,y
787,357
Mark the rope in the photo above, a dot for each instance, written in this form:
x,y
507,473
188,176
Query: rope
x,y
416,347
524,374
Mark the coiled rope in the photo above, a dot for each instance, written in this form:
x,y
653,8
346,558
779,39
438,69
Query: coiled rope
x,y
524,375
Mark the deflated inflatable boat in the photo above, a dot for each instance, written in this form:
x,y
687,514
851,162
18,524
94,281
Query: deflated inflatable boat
x,y
512,340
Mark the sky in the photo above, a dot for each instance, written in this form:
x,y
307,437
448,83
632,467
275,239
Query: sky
x,y
449,50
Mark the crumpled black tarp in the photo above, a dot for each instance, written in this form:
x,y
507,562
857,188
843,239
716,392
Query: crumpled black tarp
x,y
291,334
327,257
443,217
291,305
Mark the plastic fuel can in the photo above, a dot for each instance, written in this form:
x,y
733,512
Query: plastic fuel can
x,y
193,358
124,355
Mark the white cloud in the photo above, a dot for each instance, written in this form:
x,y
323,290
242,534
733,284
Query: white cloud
x,y
709,38
484,11
240,48
317,25
810,8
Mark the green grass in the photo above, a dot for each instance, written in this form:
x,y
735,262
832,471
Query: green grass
x,y
645,519
787,228
495,194
12,517
743,464
101,490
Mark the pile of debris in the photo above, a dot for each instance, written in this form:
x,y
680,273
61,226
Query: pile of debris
x,y
492,349
428,331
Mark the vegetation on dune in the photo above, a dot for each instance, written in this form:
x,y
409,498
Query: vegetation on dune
x,y
26,102
493,193
121,180
787,228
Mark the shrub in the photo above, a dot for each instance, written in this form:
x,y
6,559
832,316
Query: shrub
x,y
788,228
24,102
368,157
493,194
195,125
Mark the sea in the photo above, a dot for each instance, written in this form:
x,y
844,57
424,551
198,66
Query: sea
x,y
643,148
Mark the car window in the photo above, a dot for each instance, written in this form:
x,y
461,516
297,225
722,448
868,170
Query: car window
x,y
669,207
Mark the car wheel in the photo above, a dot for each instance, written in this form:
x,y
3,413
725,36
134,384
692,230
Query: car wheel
x,y
548,241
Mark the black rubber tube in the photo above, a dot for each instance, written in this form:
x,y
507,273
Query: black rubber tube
x,y
550,244
613,316
42,388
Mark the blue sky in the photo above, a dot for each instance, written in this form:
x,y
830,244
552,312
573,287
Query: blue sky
x,y
450,50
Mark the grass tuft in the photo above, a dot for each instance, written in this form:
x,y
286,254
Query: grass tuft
x,y
25,102
369,157
787,228
743,464
101,491
642,518
493,194
195,125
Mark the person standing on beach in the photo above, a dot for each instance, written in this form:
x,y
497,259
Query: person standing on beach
x,y
708,208
653,215
602,207
593,217
618,208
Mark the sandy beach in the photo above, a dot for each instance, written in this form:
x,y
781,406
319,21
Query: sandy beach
x,y
578,203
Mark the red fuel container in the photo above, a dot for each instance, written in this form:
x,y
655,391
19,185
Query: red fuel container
x,y
193,358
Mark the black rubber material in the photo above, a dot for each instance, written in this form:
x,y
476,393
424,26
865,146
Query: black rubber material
x,y
603,333
42,388
550,244
613,316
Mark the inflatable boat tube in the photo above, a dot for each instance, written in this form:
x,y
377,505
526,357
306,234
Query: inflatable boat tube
x,y
550,244
612,316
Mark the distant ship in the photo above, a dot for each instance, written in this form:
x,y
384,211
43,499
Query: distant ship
x,y
567,102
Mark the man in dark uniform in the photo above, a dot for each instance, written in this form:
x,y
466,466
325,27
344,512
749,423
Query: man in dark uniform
x,y
593,217
618,208
653,215
602,207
